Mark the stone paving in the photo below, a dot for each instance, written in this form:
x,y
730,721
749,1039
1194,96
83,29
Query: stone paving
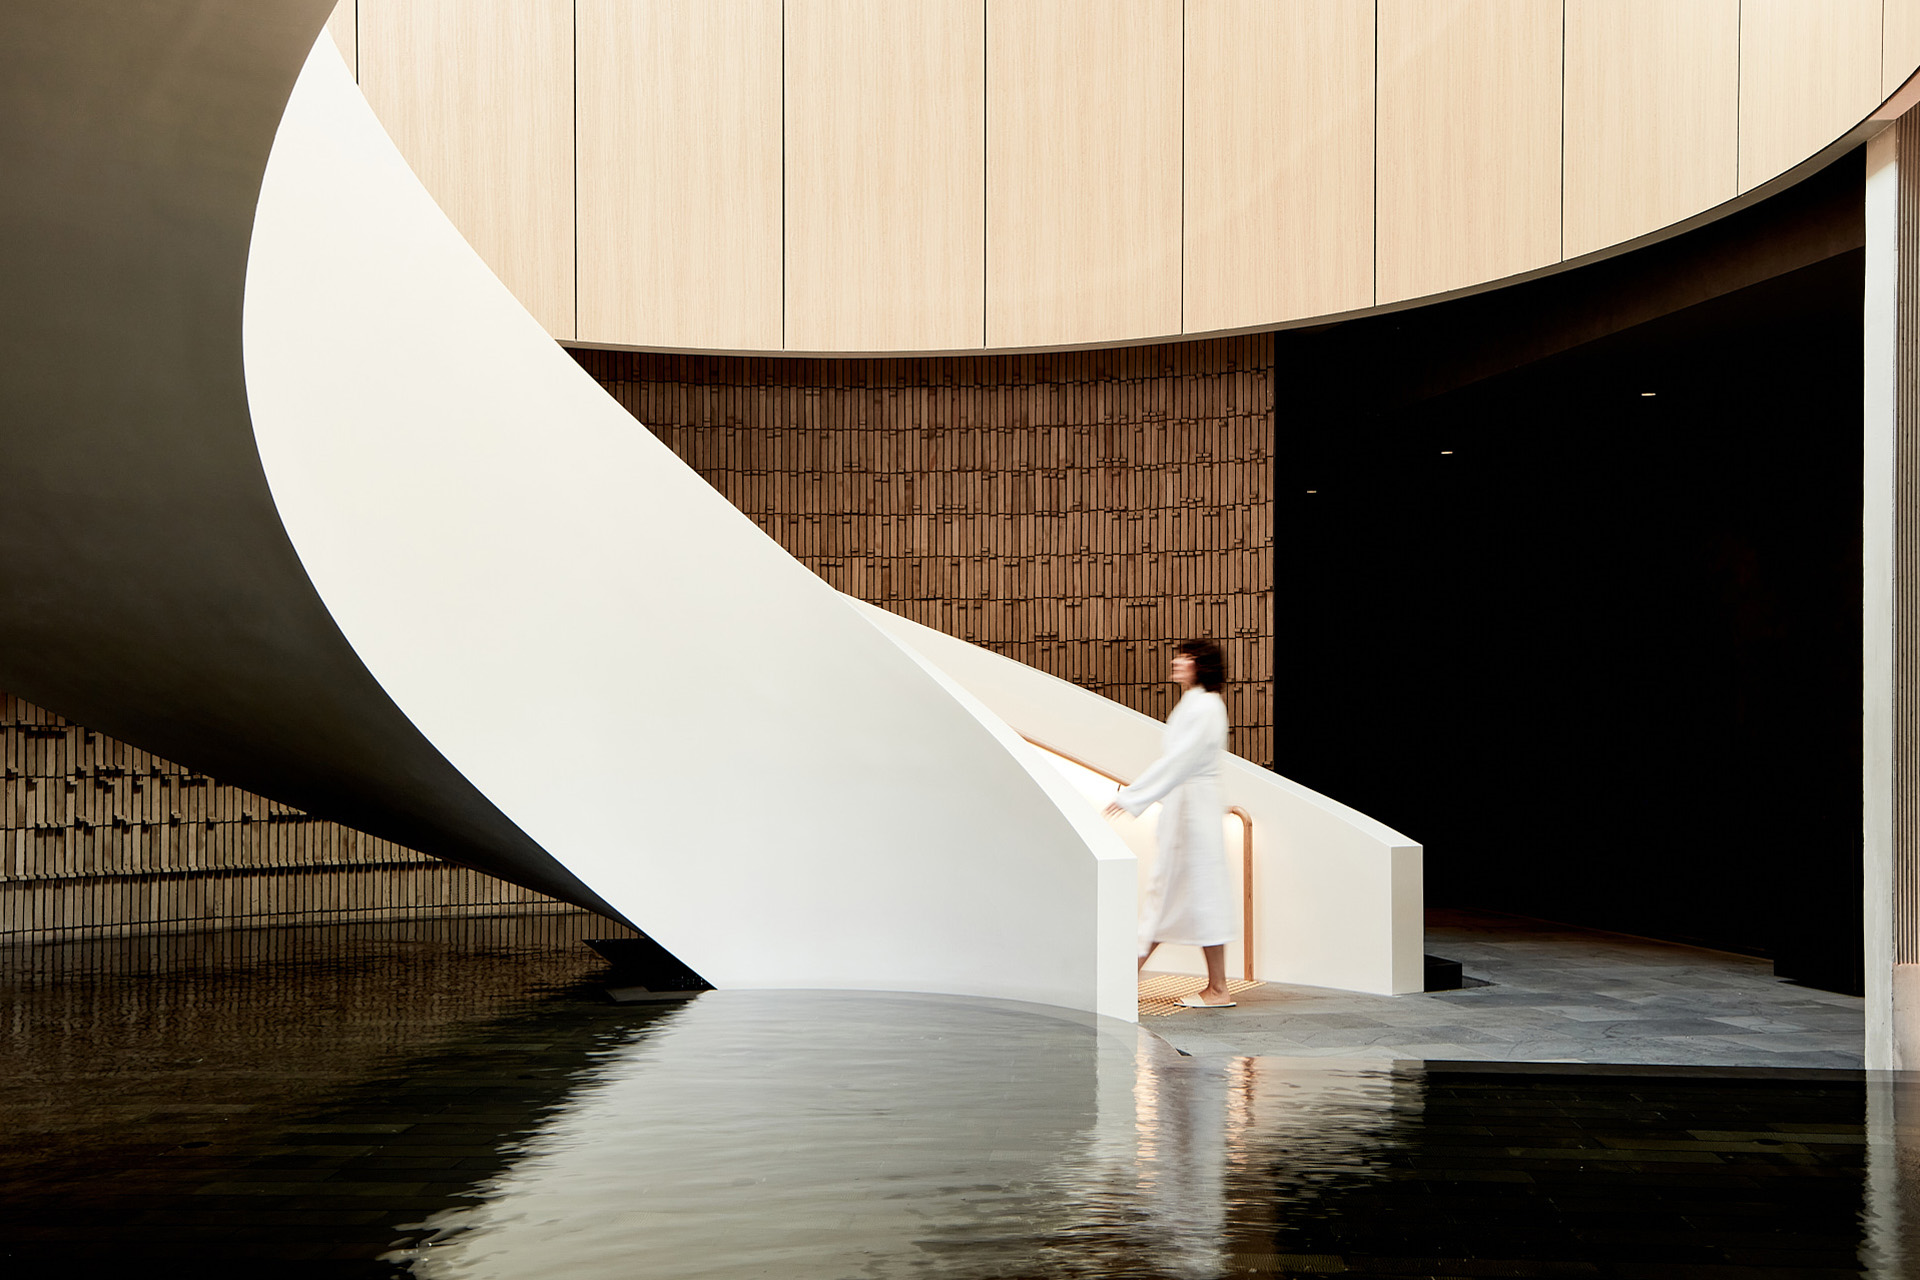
x,y
1554,993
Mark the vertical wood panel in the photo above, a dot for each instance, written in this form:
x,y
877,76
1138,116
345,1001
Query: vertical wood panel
x,y
885,157
1808,73
1900,43
1469,143
680,173
343,26
1279,160
478,96
1114,164
1652,103
1083,170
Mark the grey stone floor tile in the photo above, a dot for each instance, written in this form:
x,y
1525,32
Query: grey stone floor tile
x,y
1559,993
1669,1027
1441,1052
1594,1013
1786,1042
1332,1021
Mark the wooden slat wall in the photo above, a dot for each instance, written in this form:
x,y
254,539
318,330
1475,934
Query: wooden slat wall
x,y
101,839
1078,511
1906,562
453,964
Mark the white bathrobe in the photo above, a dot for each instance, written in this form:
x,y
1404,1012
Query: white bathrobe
x,y
1188,902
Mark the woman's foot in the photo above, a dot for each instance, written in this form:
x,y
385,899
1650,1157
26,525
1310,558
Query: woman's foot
x,y
1208,998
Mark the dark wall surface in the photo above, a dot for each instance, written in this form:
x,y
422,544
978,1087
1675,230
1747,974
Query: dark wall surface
x,y
1598,649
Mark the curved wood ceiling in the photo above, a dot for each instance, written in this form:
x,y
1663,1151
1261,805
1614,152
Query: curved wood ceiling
x,y
876,176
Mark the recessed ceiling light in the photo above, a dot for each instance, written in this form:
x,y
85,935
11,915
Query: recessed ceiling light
x,y
1445,452
1648,395
1313,491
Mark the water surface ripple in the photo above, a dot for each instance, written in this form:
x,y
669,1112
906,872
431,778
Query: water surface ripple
x,y
370,1102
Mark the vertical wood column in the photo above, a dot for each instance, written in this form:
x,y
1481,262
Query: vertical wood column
x,y
1906,563
1882,319
1891,598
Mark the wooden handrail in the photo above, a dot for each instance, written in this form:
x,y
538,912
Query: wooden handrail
x,y
1246,891
1246,854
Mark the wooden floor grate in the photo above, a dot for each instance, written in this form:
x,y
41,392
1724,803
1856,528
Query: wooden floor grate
x,y
1160,995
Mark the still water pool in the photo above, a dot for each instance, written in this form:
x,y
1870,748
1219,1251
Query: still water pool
x,y
463,1101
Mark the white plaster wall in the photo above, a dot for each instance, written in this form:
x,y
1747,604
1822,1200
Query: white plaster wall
x,y
1338,897
692,722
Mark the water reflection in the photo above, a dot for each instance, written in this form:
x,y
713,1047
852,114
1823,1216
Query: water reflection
x,y
815,1134
385,1104
277,1099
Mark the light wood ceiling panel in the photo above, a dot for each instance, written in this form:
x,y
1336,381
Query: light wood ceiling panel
x,y
886,175
1900,43
1469,143
1279,160
1653,123
1808,73
343,25
1083,170
680,173
478,96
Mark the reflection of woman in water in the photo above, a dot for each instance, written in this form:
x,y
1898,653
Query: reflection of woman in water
x,y
1187,903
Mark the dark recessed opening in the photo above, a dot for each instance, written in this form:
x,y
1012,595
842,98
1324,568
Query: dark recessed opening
x,y
1603,659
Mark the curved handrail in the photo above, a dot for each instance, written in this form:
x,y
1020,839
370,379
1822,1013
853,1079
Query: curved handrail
x,y
1246,854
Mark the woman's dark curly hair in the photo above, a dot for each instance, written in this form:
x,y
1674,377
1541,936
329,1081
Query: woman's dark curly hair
x,y
1209,664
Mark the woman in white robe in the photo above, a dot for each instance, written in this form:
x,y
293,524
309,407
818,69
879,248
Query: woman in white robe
x,y
1188,902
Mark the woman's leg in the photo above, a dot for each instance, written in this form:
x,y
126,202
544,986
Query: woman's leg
x,y
1146,953
1216,989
